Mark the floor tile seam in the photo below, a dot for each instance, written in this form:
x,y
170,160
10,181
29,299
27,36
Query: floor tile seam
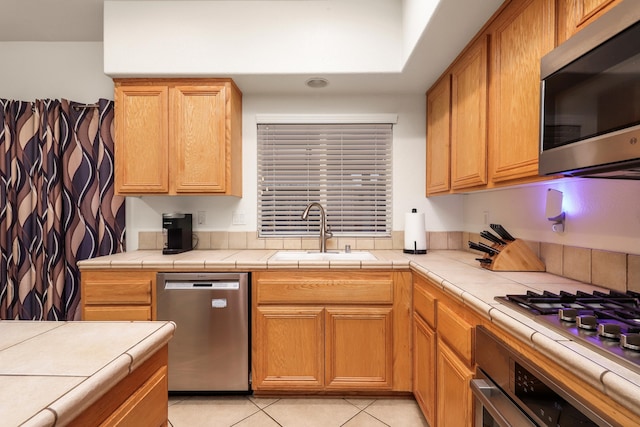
x,y
346,399
270,417
360,412
376,418
265,406
253,414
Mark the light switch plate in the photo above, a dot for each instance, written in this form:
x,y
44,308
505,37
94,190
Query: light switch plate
x,y
238,218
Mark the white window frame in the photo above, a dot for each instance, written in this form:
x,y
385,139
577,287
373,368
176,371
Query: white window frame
x,y
296,170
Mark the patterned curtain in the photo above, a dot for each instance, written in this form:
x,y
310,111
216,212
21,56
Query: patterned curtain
x,y
57,203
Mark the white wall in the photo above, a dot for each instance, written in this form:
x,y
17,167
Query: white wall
x,y
146,38
71,70
601,214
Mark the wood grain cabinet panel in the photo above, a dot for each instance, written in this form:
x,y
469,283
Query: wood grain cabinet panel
x,y
179,136
424,368
142,139
455,400
574,15
520,36
288,351
439,137
456,332
424,303
359,348
469,117
199,136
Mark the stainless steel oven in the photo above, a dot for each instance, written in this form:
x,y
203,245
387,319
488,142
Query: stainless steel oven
x,y
510,391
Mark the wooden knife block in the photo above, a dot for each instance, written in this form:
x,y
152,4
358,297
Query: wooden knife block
x,y
515,256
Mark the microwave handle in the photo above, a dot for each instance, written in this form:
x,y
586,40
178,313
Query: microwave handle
x,y
501,408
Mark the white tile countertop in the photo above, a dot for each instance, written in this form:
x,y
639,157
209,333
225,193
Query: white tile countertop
x,y
51,371
457,272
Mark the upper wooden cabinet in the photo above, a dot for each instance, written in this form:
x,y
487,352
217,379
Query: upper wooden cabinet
x,y
469,117
438,136
457,124
492,136
574,15
521,35
180,136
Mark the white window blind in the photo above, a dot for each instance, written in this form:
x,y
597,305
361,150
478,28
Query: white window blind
x,y
344,167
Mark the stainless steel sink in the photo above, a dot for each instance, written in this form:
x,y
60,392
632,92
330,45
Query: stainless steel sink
x,y
322,256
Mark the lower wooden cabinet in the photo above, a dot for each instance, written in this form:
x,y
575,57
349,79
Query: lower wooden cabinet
x,y
331,331
443,341
358,348
424,368
288,352
139,399
455,401
117,295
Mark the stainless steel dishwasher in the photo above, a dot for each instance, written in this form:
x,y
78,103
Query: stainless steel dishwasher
x,y
210,348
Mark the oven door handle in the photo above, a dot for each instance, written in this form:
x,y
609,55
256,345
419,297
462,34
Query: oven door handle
x,y
501,408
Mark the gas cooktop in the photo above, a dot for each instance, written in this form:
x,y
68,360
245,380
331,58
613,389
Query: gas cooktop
x,y
606,322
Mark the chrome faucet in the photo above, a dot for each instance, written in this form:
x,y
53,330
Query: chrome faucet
x,y
325,232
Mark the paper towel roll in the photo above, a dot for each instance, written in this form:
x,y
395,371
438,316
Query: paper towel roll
x,y
415,236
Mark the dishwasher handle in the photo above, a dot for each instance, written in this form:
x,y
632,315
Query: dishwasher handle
x,y
226,285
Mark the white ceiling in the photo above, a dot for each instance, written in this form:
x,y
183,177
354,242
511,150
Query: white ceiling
x,y
453,24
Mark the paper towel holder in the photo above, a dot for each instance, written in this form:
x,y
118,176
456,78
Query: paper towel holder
x,y
417,244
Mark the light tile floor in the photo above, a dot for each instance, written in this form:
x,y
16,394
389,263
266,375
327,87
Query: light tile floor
x,y
249,411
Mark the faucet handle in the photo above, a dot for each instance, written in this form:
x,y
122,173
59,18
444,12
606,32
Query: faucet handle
x,y
328,234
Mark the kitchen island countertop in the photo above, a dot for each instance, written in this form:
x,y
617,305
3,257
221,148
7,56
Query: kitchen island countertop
x,y
52,371
456,272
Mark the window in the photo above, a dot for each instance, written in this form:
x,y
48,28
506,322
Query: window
x,y
344,167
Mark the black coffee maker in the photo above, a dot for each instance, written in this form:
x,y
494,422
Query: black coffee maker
x,y
177,231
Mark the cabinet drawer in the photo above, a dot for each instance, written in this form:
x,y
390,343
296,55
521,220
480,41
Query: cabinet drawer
x,y
457,333
323,288
424,304
109,292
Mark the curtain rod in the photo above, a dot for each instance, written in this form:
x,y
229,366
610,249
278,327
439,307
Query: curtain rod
x,y
77,107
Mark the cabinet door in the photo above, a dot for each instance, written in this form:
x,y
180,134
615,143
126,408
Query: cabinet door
x,y
521,35
141,139
198,133
455,401
359,348
574,15
424,368
438,136
469,118
288,348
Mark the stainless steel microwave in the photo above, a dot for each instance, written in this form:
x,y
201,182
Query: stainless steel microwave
x,y
590,100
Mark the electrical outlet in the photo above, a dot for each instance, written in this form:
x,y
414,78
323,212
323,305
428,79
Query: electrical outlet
x,y
202,217
238,218
485,217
